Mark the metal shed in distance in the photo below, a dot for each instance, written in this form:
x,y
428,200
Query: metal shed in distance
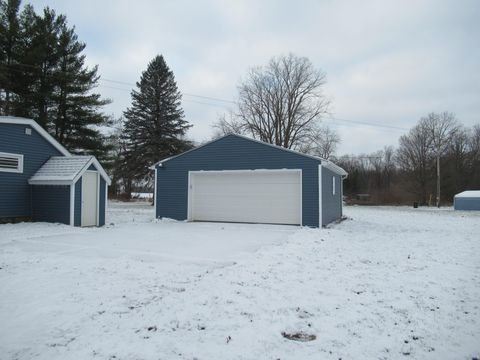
x,y
467,200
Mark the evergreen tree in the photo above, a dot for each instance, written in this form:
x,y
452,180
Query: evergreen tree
x,y
43,76
74,108
155,126
9,38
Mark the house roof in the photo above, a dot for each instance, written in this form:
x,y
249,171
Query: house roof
x,y
326,163
469,194
63,170
38,128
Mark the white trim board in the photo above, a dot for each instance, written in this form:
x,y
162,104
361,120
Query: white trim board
x,y
155,190
106,205
72,204
99,184
320,200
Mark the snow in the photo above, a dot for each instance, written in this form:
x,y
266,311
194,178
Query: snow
x,y
142,195
388,283
469,194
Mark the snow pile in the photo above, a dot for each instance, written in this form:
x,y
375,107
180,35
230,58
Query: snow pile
x,y
388,283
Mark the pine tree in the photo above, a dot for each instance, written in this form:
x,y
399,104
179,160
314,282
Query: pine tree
x,y
73,112
155,126
44,77
9,39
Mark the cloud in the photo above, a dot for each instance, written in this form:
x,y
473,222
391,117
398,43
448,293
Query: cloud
x,y
387,62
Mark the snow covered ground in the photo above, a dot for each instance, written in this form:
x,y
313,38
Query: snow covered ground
x,y
389,283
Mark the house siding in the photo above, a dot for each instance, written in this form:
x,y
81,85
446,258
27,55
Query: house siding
x,y
51,203
331,203
232,153
77,211
15,192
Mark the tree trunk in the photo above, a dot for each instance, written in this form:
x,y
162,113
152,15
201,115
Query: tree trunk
x,y
128,188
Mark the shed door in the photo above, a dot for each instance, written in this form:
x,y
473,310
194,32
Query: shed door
x,y
89,198
259,196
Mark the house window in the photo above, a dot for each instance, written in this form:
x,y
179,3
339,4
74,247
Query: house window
x,y
11,162
333,185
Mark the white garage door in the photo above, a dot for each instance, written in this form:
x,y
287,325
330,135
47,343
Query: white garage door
x,y
256,196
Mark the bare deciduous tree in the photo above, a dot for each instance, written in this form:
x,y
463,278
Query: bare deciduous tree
x,y
414,155
441,128
227,124
280,103
322,141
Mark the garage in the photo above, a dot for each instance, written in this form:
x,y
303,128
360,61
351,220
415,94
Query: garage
x,y
238,179
250,196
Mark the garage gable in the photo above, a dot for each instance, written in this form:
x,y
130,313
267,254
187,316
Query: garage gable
x,y
239,149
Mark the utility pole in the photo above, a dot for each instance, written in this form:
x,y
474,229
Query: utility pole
x,y
438,180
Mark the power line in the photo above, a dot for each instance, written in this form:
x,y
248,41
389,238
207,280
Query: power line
x,y
211,98
233,102
184,94
349,125
368,123
188,100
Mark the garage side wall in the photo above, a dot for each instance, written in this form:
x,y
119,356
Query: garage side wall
x,y
232,153
331,203
51,203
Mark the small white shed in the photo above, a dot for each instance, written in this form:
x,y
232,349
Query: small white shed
x,y
467,200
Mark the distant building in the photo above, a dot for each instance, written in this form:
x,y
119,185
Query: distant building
x,y
467,200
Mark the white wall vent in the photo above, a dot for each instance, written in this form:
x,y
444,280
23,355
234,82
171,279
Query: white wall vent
x,y
11,162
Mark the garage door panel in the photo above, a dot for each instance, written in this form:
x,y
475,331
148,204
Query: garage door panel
x,y
254,196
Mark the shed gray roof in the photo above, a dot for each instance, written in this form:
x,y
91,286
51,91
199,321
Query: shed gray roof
x,y
65,170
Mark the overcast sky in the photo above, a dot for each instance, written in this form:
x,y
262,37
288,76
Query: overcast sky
x,y
387,62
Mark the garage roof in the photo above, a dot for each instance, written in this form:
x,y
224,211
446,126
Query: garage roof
x,y
326,163
63,170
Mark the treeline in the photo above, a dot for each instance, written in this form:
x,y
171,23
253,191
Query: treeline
x,y
43,76
409,173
